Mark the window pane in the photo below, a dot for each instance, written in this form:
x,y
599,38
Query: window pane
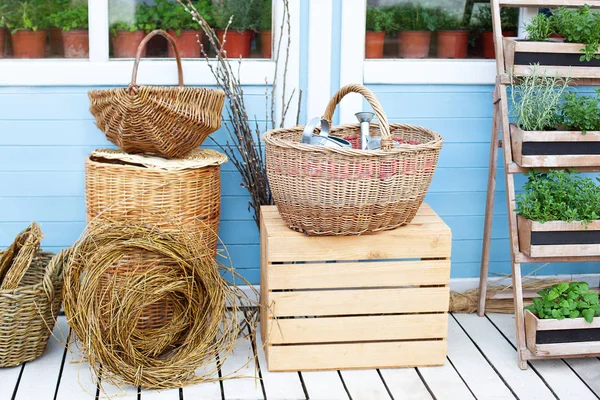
x,y
249,33
44,28
455,29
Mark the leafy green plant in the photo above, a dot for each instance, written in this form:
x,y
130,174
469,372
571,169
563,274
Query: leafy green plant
x,y
559,195
540,27
149,17
27,15
378,19
536,98
169,14
447,21
71,18
412,17
244,14
581,113
581,25
509,18
266,18
566,300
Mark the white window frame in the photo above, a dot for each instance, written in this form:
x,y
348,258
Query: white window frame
x,y
354,67
100,70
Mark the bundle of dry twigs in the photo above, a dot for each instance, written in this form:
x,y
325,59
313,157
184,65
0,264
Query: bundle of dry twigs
x,y
107,315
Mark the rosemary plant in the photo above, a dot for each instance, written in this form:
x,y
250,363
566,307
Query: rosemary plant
x,y
536,98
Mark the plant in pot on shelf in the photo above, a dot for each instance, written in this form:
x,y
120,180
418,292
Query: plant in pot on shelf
x,y
540,28
564,320
235,21
483,26
3,11
73,23
265,29
558,215
414,24
452,37
28,26
182,27
581,25
127,35
378,23
51,8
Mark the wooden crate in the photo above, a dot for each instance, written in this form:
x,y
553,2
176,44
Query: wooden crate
x,y
551,337
372,301
555,148
558,238
555,57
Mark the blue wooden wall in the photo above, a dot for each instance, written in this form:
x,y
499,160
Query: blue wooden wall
x,y
46,133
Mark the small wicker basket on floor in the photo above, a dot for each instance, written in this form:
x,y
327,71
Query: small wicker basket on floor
x,y
164,121
322,190
166,194
28,313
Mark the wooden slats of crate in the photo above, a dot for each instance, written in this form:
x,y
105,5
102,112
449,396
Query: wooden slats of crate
x,y
371,301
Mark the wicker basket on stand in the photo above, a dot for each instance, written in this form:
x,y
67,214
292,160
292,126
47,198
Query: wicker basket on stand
x,y
166,194
164,121
28,313
322,190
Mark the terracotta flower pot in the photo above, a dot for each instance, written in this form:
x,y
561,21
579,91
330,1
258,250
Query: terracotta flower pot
x,y
452,44
237,43
557,36
374,44
187,43
487,42
2,39
414,44
56,41
266,39
29,44
125,43
76,43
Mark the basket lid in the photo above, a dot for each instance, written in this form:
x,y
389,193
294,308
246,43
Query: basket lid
x,y
198,158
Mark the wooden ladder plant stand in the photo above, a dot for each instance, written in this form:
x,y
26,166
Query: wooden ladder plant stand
x,y
506,65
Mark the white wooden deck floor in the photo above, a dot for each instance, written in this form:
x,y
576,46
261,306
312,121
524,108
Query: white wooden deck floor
x,y
481,364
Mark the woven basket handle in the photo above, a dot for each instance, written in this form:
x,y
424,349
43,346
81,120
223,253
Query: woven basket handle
x,y
386,137
141,47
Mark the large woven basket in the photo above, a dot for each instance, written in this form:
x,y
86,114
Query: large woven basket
x,y
165,121
322,190
166,194
28,313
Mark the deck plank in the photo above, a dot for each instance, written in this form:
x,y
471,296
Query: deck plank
x,y
207,391
40,376
526,384
365,384
324,385
169,394
9,378
405,383
77,381
445,383
481,378
588,369
278,385
563,381
247,386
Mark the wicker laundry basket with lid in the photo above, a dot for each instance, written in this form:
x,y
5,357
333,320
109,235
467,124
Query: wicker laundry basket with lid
x,y
322,190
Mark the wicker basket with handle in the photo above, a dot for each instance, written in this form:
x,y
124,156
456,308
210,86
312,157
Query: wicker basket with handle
x,y
164,121
28,313
322,190
166,194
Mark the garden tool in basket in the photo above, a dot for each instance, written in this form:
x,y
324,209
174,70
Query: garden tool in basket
x,y
323,138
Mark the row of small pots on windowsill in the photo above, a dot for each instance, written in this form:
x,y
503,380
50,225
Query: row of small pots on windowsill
x,y
32,44
415,44
237,45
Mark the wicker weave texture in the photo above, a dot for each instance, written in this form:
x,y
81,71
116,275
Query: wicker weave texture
x,y
28,313
164,121
336,191
17,258
158,197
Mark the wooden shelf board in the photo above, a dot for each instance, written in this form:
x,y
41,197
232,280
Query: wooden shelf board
x,y
548,3
513,168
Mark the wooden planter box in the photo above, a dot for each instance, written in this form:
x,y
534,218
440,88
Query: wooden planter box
x,y
555,56
555,148
552,337
372,301
558,238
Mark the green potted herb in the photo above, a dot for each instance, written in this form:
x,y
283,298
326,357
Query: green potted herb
x,y
3,11
265,28
452,37
414,24
581,113
484,28
126,34
565,315
73,23
180,24
28,25
239,18
379,21
581,25
540,28
52,7
558,215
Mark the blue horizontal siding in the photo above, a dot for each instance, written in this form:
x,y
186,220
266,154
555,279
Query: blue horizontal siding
x,y
46,134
